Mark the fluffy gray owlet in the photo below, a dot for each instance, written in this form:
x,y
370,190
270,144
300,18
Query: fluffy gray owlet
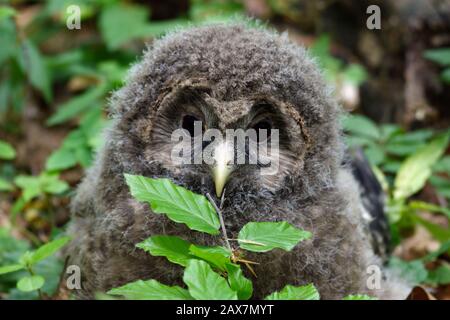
x,y
230,77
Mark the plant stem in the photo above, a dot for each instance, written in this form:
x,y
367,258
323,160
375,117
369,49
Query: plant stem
x,y
222,223
31,272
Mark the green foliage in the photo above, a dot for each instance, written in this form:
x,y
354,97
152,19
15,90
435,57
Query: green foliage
x,y
99,64
442,57
150,290
416,169
408,160
210,272
412,271
334,69
30,283
35,270
178,203
175,249
7,152
205,284
37,72
33,186
47,250
79,145
308,292
266,236
440,275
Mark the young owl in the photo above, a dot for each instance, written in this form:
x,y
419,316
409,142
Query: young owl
x,y
231,77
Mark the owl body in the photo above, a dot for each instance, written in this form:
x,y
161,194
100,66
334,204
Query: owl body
x,y
228,76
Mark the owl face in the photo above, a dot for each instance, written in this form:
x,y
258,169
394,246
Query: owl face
x,y
224,144
226,78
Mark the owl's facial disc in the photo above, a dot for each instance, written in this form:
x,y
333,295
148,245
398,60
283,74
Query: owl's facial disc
x,y
239,158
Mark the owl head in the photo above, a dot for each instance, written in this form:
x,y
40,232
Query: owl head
x,y
227,78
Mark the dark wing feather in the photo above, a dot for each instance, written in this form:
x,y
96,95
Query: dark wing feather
x,y
372,197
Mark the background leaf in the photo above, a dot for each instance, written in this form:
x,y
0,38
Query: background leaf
x,y
48,249
415,171
30,283
36,69
361,126
7,152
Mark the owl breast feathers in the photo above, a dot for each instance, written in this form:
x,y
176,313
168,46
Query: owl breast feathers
x,y
229,76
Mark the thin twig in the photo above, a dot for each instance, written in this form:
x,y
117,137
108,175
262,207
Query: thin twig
x,y
61,279
222,223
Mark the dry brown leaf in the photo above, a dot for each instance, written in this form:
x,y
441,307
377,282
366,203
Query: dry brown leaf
x,y
420,293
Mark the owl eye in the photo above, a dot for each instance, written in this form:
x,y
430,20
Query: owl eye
x,y
188,122
263,125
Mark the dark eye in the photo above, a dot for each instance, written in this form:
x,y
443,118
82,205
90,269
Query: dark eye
x,y
263,125
188,123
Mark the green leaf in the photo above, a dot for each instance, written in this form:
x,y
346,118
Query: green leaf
x,y
205,284
30,283
402,150
439,276
8,39
45,182
416,169
265,236
307,292
48,249
5,185
113,18
216,259
440,233
445,75
238,282
357,141
178,203
361,126
151,290
61,159
412,137
80,103
375,154
6,12
10,268
445,247
441,184
30,186
441,55
7,152
36,69
443,165
420,205
388,130
355,74
50,183
412,271
359,297
175,249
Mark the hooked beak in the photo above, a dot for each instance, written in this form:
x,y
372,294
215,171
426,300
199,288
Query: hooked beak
x,y
223,156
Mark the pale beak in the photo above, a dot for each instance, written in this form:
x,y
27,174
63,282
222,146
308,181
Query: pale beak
x,y
223,166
